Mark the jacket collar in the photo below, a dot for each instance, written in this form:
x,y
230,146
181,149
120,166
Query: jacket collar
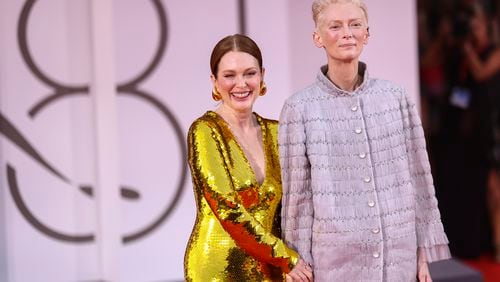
x,y
327,85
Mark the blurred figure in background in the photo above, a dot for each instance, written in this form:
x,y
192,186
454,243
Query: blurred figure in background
x,y
434,77
483,59
466,166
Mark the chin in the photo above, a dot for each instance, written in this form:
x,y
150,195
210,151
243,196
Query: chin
x,y
346,57
242,104
349,57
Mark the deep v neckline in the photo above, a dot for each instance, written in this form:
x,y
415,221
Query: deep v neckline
x,y
240,147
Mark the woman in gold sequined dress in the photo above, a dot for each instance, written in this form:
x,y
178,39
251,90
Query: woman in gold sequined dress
x,y
233,157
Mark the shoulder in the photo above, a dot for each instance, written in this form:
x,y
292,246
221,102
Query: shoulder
x,y
383,85
386,88
204,124
270,124
307,94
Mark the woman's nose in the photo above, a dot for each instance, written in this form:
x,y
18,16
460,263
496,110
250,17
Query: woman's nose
x,y
347,32
240,81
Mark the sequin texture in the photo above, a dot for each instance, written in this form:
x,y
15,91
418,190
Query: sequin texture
x,y
236,233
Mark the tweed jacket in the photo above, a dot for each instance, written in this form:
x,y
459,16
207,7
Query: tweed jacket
x,y
358,195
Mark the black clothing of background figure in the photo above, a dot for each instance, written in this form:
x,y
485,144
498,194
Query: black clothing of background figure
x,y
462,168
464,164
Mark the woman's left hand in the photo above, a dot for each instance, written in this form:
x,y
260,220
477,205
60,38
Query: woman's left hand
x,y
423,272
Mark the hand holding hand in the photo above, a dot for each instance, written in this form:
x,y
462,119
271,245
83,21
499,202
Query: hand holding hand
x,y
301,272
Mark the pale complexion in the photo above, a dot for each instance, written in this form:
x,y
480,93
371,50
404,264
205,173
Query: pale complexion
x,y
342,30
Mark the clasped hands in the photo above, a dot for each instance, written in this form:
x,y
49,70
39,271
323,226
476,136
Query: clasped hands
x,y
301,272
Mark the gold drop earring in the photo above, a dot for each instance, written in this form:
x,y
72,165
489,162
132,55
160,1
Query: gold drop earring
x,y
216,95
263,89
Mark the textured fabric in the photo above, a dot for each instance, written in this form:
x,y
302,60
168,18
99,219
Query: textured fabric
x,y
358,197
236,233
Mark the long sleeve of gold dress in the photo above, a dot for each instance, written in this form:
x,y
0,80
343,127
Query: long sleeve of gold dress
x,y
236,233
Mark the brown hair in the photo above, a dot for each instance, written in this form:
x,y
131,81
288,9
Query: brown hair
x,y
235,42
319,5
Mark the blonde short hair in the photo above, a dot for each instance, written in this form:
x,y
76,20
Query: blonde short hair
x,y
319,5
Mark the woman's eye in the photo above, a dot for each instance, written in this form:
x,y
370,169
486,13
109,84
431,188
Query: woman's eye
x,y
229,75
356,25
252,73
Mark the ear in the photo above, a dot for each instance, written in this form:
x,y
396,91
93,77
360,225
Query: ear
x,y
318,42
214,81
367,35
263,73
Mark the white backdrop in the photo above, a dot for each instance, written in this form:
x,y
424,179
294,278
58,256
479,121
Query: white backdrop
x,y
93,115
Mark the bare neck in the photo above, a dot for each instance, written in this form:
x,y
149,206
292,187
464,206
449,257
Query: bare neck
x,y
344,75
243,121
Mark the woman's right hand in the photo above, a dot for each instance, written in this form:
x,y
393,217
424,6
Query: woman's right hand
x,y
301,272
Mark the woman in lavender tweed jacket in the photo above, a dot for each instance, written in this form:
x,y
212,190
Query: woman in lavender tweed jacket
x,y
358,197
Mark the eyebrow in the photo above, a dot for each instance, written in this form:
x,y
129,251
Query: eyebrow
x,y
349,20
248,69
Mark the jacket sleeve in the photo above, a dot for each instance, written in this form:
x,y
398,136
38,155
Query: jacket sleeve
x,y
297,206
431,238
209,171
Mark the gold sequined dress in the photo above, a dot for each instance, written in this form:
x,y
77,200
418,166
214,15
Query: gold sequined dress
x,y
236,233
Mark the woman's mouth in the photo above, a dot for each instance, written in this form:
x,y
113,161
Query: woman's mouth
x,y
241,95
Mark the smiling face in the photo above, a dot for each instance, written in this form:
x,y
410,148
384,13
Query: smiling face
x,y
238,80
342,29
